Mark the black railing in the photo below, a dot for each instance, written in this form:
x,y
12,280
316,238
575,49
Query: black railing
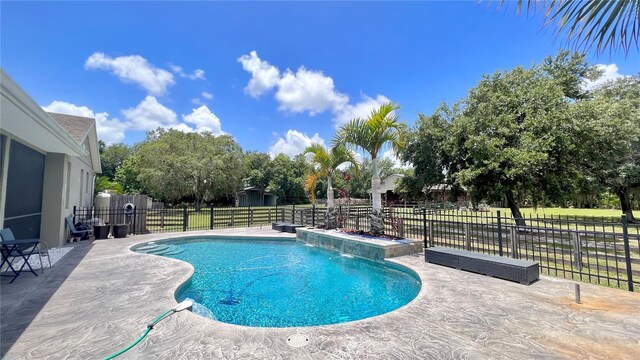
x,y
601,250
597,250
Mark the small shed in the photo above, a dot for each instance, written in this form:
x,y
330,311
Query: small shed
x,y
253,196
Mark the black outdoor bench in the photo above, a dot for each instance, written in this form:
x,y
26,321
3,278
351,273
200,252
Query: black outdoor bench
x,y
286,227
522,271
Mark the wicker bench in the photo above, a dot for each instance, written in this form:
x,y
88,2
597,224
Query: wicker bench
x,y
285,227
522,271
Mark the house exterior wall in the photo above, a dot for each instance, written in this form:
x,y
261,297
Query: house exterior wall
x,y
67,167
52,229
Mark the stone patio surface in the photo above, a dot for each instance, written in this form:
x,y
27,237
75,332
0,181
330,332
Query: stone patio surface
x,y
100,297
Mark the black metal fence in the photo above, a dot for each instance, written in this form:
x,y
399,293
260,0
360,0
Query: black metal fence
x,y
601,250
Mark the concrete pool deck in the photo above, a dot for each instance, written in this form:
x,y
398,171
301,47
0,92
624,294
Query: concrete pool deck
x,y
100,297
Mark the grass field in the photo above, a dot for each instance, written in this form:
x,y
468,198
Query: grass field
x,y
567,212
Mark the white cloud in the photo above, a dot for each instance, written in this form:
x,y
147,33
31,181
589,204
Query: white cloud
x,y
197,74
207,95
204,120
609,72
304,90
293,143
150,114
109,130
358,110
133,68
264,76
310,91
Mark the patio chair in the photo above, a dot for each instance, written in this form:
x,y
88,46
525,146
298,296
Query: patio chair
x,y
25,250
74,232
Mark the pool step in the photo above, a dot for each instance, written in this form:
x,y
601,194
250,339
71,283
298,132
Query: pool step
x,y
154,249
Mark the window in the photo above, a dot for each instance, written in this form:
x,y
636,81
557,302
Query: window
x,y
23,202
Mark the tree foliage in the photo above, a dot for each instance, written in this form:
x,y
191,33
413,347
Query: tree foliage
x,y
112,158
610,138
287,179
173,165
512,138
425,150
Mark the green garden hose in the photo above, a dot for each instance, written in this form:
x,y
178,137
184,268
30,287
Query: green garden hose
x,y
182,306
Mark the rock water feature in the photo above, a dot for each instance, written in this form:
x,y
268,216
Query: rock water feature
x,y
377,222
331,218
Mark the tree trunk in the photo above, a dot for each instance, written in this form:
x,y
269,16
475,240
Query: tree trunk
x,y
331,217
197,204
377,220
330,201
515,210
625,203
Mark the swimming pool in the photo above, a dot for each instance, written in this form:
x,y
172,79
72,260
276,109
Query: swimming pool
x,y
283,283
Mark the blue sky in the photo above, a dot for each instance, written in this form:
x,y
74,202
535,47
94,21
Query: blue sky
x,y
273,75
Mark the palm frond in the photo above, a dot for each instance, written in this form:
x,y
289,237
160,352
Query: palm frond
x,y
382,127
605,24
310,185
340,154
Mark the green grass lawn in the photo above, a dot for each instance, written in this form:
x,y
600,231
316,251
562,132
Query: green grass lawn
x,y
566,212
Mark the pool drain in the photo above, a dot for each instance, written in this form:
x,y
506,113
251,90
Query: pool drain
x,y
298,340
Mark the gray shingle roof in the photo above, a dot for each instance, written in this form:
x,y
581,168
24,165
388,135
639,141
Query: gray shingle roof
x,y
76,126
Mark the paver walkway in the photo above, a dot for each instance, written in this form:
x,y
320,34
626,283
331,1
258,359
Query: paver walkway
x,y
101,296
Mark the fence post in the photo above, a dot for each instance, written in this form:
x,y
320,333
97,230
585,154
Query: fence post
x,y
431,231
293,214
627,251
185,218
467,236
424,227
211,217
499,234
74,213
134,220
249,216
313,215
232,212
514,242
577,250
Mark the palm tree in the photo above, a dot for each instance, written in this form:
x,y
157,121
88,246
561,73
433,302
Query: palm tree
x,y
381,129
605,23
324,163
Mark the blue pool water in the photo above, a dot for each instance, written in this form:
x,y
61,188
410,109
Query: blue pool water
x,y
276,283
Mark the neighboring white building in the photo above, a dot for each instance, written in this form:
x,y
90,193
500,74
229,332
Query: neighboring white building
x,y
48,164
387,188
